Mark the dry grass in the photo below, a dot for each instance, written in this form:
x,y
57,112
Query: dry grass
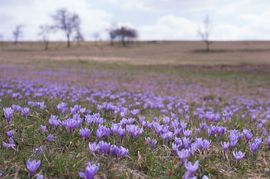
x,y
143,53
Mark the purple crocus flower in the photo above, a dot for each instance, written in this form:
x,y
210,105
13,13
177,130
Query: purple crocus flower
x,y
25,112
54,121
238,155
75,109
32,166
93,147
118,151
254,147
191,169
248,134
150,142
90,171
8,113
103,131
103,147
85,133
117,129
9,133
225,145
72,124
94,119
184,154
134,131
10,145
51,137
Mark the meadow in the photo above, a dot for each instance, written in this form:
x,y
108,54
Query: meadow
x,y
150,110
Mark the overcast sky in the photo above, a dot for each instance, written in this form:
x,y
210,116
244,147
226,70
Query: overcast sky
x,y
154,19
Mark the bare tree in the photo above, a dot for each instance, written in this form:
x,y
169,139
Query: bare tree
x,y
123,34
78,36
17,33
205,32
67,22
45,31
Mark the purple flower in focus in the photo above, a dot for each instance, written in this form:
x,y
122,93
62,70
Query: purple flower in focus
x,y
90,171
103,147
118,151
32,166
10,145
191,169
103,131
54,121
94,119
93,147
238,155
72,124
8,113
117,129
151,142
85,133
184,154
254,147
225,145
9,133
248,134
134,131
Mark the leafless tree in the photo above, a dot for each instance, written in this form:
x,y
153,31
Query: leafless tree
x,y
78,36
123,34
67,22
45,31
205,31
17,33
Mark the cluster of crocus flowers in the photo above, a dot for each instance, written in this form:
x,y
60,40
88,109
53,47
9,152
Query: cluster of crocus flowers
x,y
11,144
108,149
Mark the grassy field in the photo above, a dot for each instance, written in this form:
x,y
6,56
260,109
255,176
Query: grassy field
x,y
175,96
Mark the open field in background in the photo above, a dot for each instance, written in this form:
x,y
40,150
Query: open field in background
x,y
145,53
171,99
235,67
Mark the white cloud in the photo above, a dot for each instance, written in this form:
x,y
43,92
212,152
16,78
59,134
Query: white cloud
x,y
154,19
169,27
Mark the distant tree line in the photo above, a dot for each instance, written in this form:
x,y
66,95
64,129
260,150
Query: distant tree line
x,y
69,24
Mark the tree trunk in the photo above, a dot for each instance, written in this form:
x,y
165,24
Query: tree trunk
x,y
68,40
